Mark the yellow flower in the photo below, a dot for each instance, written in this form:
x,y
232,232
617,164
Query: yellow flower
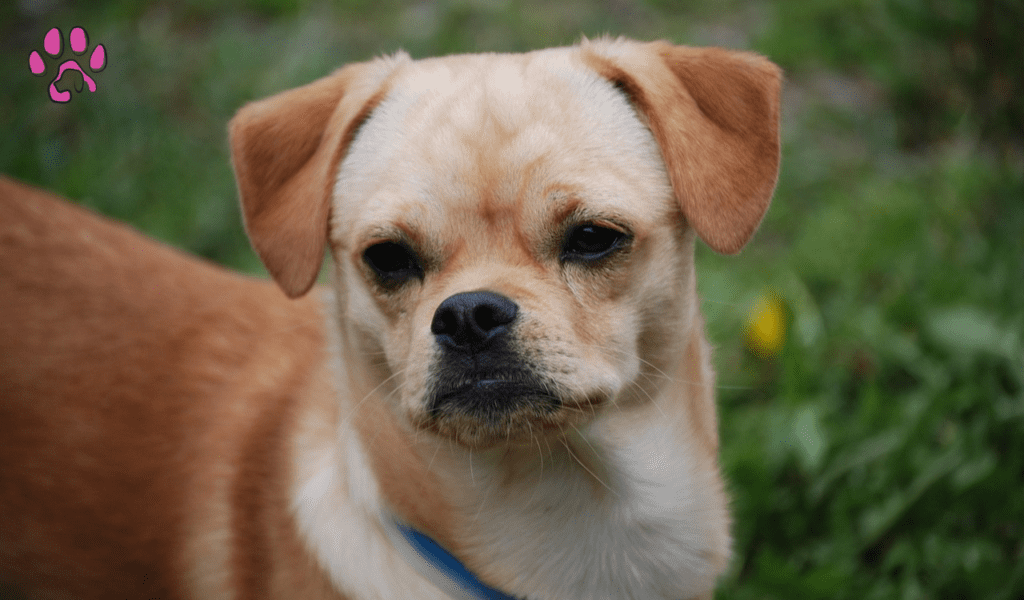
x,y
766,326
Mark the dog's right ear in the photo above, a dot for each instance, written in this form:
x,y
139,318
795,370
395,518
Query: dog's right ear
x,y
286,150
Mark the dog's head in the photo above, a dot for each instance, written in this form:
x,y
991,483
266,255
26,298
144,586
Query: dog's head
x,y
512,234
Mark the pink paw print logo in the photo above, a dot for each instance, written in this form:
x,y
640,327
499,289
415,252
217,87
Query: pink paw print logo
x,y
53,44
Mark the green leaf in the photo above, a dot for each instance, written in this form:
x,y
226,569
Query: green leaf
x,y
966,330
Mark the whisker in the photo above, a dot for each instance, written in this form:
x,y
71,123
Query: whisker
x,y
430,463
483,501
587,469
584,438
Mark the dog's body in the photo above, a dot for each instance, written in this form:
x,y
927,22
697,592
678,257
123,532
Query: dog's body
x,y
144,403
511,361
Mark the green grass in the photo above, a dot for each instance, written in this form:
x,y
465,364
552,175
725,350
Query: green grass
x,y
881,453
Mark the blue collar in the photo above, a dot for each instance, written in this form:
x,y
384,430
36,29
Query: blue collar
x,y
443,569
438,565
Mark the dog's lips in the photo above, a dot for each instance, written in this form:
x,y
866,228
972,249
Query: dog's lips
x,y
494,385
504,408
500,393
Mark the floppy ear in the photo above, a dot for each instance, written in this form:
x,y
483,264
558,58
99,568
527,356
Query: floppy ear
x,y
285,151
715,115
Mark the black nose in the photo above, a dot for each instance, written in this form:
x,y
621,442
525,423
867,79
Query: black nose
x,y
469,320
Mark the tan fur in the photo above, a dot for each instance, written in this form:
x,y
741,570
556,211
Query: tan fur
x,y
173,430
142,404
715,114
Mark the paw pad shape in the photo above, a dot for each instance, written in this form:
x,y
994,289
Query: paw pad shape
x,y
53,44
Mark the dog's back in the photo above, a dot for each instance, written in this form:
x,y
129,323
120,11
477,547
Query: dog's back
x,y
111,346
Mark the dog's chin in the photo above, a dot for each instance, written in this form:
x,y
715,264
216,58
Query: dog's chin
x,y
476,434
489,414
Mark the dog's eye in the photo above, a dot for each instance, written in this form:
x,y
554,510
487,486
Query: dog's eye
x,y
589,242
393,262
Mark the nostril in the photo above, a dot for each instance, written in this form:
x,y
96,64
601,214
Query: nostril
x,y
445,321
471,318
494,314
483,318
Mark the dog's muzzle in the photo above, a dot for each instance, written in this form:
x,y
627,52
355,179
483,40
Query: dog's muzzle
x,y
478,373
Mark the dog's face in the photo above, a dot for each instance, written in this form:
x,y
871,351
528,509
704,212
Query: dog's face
x,y
512,234
507,236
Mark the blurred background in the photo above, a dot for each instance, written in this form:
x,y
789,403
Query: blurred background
x,y
869,340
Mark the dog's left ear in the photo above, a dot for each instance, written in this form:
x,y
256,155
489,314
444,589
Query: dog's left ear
x,y
285,151
715,114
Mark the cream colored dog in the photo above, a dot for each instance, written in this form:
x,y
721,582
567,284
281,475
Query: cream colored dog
x,y
511,361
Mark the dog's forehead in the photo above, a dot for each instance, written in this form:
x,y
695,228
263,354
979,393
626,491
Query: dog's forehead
x,y
496,134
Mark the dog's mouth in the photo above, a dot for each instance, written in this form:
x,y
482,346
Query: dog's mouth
x,y
490,396
487,409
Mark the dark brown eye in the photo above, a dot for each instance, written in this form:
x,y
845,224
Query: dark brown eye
x,y
394,263
589,242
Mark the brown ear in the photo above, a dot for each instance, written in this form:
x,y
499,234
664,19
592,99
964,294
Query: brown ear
x,y
285,150
715,114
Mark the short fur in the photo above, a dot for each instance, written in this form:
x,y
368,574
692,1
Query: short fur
x,y
173,430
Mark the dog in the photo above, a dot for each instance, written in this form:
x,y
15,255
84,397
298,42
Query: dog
x,y
505,392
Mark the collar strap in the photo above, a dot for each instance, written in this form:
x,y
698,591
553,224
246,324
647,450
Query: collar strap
x,y
438,565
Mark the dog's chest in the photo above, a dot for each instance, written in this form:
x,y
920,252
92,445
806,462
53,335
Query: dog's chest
x,y
636,521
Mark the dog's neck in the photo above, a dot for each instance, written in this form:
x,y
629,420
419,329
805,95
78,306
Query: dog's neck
x,y
621,508
615,510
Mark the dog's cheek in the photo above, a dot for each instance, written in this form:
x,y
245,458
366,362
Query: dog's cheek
x,y
639,309
361,307
616,345
590,349
667,301
414,353
378,322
